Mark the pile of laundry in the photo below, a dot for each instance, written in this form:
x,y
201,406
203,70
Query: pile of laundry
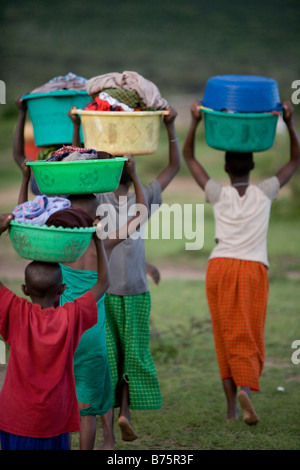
x,y
39,209
56,210
127,91
106,102
71,81
69,153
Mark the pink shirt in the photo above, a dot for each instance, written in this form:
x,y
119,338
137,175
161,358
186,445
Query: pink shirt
x,y
38,398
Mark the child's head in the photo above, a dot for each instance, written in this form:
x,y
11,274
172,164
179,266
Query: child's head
x,y
239,163
73,217
104,155
43,280
125,179
87,202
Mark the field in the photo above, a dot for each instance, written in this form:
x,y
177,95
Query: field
x,y
178,45
193,412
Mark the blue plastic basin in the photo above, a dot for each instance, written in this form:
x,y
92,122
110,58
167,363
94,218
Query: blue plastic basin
x,y
242,94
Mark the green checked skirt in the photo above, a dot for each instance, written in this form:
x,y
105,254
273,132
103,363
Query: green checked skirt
x,y
129,356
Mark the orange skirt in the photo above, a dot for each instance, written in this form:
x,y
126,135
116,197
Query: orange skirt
x,y
237,294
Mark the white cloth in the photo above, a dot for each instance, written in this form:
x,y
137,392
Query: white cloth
x,y
113,102
241,222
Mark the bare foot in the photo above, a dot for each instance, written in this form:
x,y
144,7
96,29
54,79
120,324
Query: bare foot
x,y
249,413
232,416
127,431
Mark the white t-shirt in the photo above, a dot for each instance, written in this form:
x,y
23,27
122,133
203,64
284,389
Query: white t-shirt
x,y
241,222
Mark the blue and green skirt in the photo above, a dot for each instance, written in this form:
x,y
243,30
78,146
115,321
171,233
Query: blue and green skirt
x,y
91,367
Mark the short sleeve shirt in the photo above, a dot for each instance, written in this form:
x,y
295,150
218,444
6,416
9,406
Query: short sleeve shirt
x,y
127,262
38,397
241,222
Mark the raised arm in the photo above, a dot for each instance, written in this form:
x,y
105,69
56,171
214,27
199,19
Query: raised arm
x,y
5,220
196,169
99,289
166,176
26,173
4,223
138,219
75,118
18,143
287,171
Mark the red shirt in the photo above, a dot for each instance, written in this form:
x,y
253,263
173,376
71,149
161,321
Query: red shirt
x,y
38,398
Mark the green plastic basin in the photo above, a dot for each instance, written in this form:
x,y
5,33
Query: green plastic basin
x,y
48,113
240,132
78,177
50,244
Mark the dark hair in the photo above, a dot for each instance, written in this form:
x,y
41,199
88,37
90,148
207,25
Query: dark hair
x,y
87,202
239,163
104,155
43,278
125,177
70,218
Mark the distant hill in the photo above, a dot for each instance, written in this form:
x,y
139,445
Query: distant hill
x,y
178,45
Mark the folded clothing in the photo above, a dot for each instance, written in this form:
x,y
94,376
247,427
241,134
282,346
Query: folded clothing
x,y
131,81
39,209
70,218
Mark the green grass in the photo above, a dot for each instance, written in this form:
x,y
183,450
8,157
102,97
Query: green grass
x,y
193,412
192,416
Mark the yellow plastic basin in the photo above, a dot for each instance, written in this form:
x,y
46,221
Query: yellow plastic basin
x,y
120,132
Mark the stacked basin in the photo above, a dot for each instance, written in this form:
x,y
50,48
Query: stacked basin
x,y
52,126
241,112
